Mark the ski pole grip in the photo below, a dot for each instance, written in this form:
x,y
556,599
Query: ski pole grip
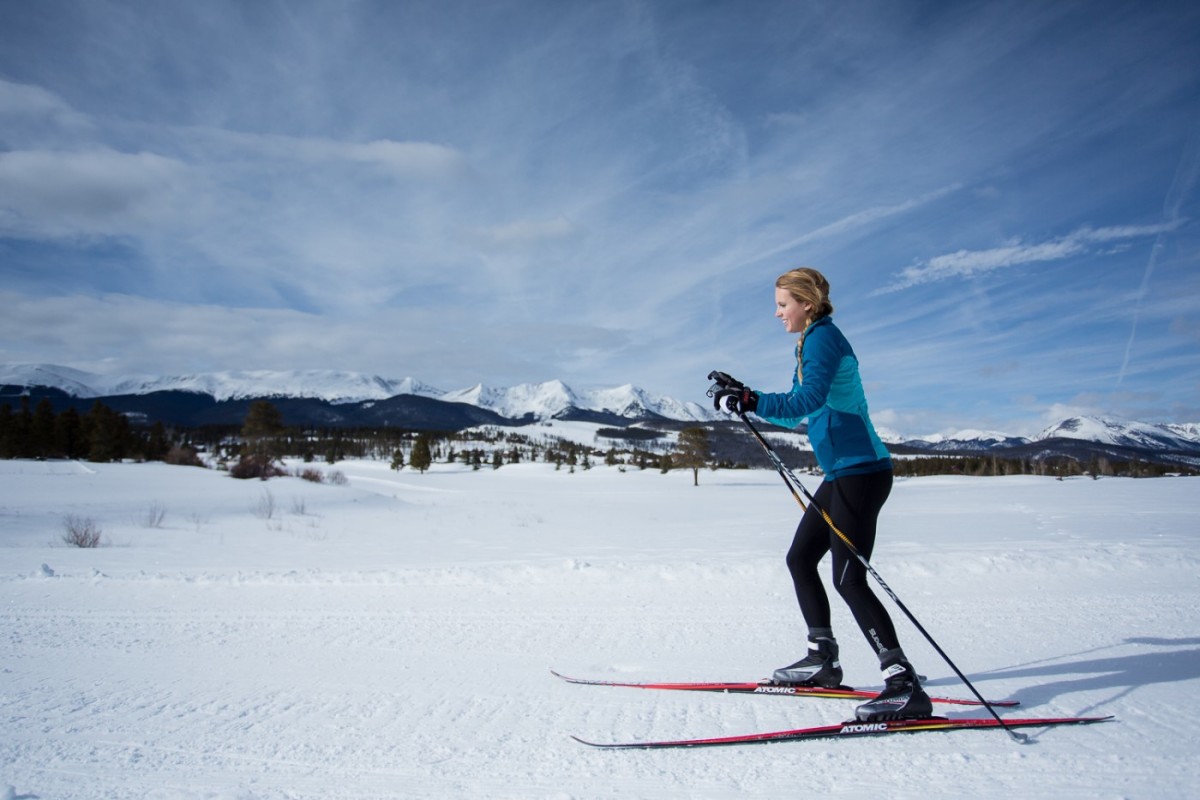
x,y
724,380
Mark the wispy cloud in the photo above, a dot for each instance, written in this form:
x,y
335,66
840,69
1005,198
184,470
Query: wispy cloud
x,y
852,222
970,263
29,107
526,232
394,158
1182,186
99,191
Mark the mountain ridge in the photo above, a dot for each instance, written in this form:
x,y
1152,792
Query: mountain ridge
x,y
546,400
345,398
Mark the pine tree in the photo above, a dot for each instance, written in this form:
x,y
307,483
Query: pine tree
x,y
22,431
421,458
7,430
42,429
263,424
262,431
108,434
158,444
693,451
68,434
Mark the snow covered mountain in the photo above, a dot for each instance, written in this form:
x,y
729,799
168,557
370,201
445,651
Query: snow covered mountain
x,y
1136,435
329,385
964,440
1125,434
528,400
358,398
554,398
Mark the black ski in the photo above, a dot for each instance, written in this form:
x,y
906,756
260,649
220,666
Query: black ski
x,y
852,728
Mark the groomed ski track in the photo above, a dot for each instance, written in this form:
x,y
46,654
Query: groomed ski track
x,y
390,638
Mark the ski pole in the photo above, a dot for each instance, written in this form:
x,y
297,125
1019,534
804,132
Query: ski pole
x,y
793,483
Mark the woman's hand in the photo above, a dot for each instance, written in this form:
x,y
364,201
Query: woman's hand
x,y
730,393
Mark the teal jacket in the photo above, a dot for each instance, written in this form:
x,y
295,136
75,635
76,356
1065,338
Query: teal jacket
x,y
831,397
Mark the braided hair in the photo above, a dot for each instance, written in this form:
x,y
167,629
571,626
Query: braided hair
x,y
806,285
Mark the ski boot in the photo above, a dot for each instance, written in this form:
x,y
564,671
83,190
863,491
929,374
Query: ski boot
x,y
819,668
902,696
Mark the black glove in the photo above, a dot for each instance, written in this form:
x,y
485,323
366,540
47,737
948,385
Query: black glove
x,y
723,380
736,401
731,393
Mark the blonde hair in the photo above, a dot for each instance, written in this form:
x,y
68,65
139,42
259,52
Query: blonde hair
x,y
806,285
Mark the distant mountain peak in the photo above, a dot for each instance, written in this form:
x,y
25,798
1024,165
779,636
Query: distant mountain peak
x,y
329,385
546,400
1127,434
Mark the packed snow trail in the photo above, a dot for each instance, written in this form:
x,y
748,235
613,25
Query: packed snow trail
x,y
391,638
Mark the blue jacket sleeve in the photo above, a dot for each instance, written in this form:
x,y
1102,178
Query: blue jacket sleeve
x,y
820,360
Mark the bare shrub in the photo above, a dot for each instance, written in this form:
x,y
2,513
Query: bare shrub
x,y
154,515
82,531
183,456
256,466
299,506
264,506
311,474
337,478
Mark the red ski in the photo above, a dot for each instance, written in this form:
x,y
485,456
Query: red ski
x,y
852,728
840,692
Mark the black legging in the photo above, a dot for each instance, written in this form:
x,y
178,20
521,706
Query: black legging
x,y
853,503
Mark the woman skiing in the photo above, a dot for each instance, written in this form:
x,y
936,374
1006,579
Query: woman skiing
x,y
826,389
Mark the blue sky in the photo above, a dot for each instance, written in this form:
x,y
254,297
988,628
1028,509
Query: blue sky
x,y
1002,194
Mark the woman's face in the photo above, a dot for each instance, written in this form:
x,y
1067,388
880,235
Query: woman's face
x,y
795,314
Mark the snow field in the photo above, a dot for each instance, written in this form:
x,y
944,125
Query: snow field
x,y
391,637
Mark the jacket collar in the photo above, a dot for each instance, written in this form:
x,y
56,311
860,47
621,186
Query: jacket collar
x,y
825,320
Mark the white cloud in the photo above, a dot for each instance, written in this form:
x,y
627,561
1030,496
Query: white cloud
x,y
407,157
126,333
857,220
968,263
528,232
98,191
26,103
400,158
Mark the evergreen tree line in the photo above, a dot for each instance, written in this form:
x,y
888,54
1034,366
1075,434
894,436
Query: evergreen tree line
x,y
103,434
491,447
99,435
1055,466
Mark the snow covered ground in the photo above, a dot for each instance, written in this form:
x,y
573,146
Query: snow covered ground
x,y
392,636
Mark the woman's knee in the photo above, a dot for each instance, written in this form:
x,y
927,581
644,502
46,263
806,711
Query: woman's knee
x,y
801,566
853,589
